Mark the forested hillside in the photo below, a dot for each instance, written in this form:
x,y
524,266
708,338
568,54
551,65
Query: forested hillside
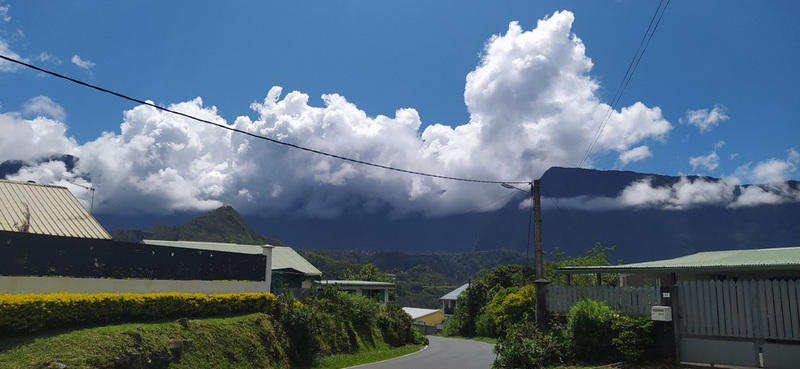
x,y
421,278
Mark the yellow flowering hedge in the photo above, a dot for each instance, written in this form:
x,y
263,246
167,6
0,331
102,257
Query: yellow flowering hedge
x,y
31,312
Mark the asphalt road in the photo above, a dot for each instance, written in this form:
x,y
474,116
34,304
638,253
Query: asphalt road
x,y
442,353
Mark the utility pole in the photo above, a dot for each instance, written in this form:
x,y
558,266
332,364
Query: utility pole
x,y
538,254
542,313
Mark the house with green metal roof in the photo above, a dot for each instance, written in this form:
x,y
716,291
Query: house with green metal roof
x,y
769,263
292,271
289,270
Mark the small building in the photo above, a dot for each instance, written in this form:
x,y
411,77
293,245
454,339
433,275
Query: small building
x,y
292,271
428,317
289,270
377,290
451,298
45,209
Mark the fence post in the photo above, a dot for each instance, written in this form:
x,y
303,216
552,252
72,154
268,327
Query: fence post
x,y
266,250
676,321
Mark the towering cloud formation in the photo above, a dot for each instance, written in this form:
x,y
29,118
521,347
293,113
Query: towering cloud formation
x,y
532,105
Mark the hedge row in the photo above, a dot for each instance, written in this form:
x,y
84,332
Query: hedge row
x,y
20,313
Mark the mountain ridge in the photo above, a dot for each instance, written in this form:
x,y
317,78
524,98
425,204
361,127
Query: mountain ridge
x,y
223,224
639,233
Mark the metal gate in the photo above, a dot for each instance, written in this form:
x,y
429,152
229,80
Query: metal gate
x,y
744,323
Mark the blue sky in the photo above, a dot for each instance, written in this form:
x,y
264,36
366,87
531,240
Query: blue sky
x,y
715,94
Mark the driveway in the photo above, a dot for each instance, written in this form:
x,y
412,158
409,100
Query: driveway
x,y
443,353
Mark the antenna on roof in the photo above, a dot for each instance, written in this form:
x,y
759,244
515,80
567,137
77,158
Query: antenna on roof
x,y
88,188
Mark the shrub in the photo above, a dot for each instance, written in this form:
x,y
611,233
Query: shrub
x,y
589,326
396,326
362,310
633,339
523,346
484,323
21,313
511,304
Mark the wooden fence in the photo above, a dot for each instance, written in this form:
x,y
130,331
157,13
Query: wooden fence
x,y
628,300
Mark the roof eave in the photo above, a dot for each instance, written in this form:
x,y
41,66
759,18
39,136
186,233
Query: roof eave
x,y
674,269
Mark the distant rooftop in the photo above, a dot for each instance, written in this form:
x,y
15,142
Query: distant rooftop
x,y
53,211
417,313
283,258
453,295
785,258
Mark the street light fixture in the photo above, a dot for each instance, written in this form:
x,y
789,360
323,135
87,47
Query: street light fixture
x,y
90,189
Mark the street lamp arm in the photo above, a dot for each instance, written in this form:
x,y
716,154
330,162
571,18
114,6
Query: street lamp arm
x,y
512,187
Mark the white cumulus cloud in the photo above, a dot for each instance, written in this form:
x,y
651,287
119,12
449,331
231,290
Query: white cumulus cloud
x,y
635,154
709,162
44,106
7,66
26,139
772,170
690,192
46,57
81,63
531,99
706,119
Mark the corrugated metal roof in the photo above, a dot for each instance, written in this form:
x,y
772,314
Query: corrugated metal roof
x,y
209,246
417,313
53,211
453,295
286,258
283,258
784,258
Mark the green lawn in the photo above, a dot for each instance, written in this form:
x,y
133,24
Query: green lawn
x,y
491,340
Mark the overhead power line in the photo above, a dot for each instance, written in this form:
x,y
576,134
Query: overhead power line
x,y
637,57
291,145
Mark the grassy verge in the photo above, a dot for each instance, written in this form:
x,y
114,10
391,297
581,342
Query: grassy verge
x,y
363,357
491,340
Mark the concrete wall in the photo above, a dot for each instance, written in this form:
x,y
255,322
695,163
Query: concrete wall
x,y
97,285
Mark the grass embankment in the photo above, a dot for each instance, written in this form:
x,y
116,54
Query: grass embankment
x,y
491,340
245,341
234,342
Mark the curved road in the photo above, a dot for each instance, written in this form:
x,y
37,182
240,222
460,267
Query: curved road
x,y
442,353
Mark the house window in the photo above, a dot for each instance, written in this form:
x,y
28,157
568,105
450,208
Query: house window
x,y
376,294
